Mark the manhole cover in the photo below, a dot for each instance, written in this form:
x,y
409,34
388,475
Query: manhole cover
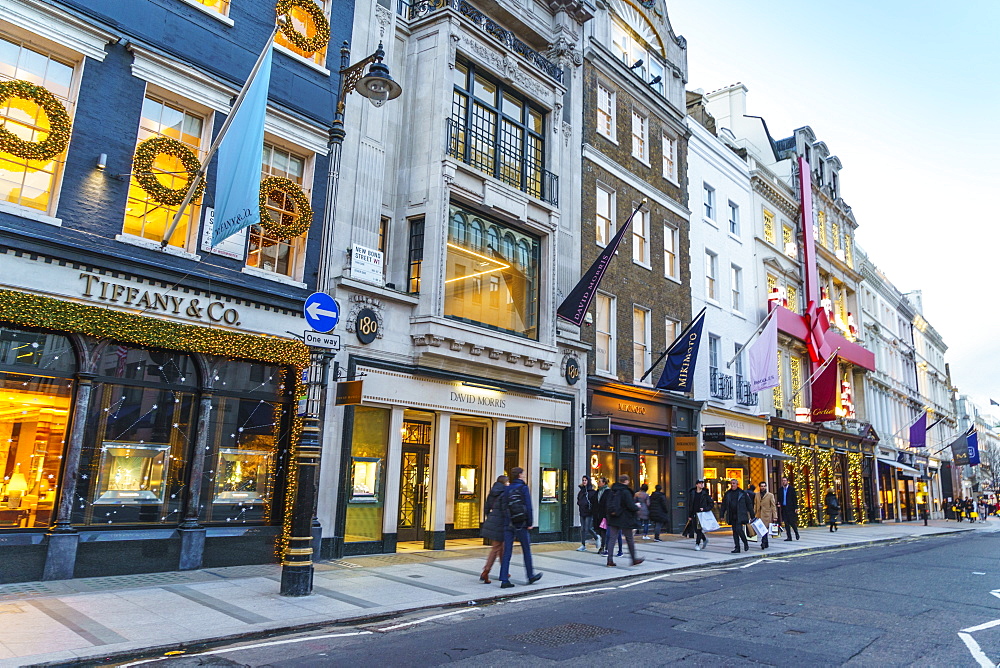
x,y
564,634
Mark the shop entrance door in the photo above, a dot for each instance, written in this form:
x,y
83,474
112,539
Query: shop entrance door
x,y
627,466
414,485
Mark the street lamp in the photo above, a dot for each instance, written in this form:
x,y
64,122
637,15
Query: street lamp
x,y
297,562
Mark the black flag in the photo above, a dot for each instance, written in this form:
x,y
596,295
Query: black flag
x,y
574,307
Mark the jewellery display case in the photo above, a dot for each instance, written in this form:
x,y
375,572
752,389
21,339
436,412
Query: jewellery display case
x,y
241,475
366,473
550,485
132,473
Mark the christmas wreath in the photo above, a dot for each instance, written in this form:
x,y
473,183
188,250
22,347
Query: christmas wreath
x,y
59,124
290,225
319,21
142,169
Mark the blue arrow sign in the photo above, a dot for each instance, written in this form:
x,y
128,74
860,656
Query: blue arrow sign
x,y
321,311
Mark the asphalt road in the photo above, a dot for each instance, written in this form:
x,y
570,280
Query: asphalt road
x,y
904,603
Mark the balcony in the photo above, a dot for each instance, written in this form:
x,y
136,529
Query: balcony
x,y
721,384
744,397
477,148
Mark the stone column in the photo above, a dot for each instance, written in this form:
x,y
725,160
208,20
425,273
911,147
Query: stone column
x,y
533,473
434,537
63,539
499,444
394,456
191,532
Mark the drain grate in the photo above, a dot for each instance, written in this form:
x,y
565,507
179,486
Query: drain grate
x,y
564,634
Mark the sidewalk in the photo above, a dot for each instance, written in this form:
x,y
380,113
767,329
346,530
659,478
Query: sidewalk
x,y
100,617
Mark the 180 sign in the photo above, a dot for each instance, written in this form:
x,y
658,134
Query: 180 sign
x,y
366,325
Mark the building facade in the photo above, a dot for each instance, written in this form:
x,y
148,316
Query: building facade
x,y
635,150
465,191
149,415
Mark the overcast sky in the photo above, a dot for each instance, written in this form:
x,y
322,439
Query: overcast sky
x,y
906,95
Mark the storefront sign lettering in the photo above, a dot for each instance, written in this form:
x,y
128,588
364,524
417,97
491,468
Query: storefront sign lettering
x,y
631,408
491,402
95,287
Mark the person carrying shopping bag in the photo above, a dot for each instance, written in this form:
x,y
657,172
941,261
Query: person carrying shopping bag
x,y
659,512
699,501
738,511
642,498
765,507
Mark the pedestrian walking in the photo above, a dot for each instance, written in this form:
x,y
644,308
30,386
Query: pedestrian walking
x,y
659,511
586,499
766,508
623,512
642,498
699,501
788,503
601,514
738,511
518,521
493,525
832,504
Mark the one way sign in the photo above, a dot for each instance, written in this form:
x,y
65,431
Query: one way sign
x,y
321,312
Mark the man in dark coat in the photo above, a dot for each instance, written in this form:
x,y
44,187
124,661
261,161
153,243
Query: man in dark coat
x,y
738,511
519,520
788,504
699,501
600,513
659,511
622,518
586,499
492,526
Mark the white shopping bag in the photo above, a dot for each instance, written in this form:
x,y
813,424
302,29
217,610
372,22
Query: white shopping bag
x,y
759,527
774,529
708,521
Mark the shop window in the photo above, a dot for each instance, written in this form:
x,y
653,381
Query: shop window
x,y
510,262
267,251
551,500
366,498
144,216
35,394
140,432
305,25
467,445
246,422
32,183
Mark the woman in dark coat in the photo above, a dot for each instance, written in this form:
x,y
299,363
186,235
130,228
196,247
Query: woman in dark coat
x,y
659,512
493,526
622,516
832,508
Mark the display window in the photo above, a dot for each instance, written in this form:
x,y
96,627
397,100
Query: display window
x,y
553,481
492,274
468,442
36,390
369,446
140,432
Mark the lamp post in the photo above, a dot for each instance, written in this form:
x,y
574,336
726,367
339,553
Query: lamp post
x,y
297,562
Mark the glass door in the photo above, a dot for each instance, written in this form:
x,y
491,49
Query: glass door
x,y
414,485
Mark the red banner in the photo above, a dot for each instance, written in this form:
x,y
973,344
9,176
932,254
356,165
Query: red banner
x,y
825,393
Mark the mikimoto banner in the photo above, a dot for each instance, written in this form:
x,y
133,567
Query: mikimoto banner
x,y
678,371
237,186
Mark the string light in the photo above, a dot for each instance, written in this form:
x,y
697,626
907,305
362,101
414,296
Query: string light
x,y
321,27
60,125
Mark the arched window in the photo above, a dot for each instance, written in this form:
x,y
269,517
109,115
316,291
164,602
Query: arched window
x,y
458,230
476,234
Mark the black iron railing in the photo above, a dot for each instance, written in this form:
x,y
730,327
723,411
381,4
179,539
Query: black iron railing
x,y
721,384
478,147
420,8
744,397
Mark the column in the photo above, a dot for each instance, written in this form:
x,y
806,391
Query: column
x,y
533,476
434,537
60,559
394,456
499,445
191,532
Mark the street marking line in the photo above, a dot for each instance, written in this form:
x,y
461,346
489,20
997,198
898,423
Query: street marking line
x,y
981,627
425,619
639,582
559,594
977,651
255,646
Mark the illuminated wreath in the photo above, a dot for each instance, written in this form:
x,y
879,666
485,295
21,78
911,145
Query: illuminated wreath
x,y
59,123
319,21
142,169
290,226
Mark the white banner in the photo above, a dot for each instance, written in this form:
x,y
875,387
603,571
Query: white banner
x,y
763,358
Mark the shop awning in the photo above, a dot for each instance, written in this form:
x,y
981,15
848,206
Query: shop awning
x,y
903,468
639,430
747,448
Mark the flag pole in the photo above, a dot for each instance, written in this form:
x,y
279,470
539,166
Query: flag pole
x,y
815,373
679,337
200,175
757,331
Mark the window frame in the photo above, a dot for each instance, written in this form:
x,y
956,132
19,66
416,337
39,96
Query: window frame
x,y
640,140
708,202
671,232
610,225
734,219
607,127
736,287
669,148
711,276
611,334
645,346
640,241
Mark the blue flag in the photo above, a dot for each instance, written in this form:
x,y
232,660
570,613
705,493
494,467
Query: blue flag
x,y
237,186
918,432
972,443
678,372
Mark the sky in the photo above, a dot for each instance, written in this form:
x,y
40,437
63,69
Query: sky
x,y
906,94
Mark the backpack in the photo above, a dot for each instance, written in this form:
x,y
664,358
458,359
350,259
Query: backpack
x,y
614,506
517,510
